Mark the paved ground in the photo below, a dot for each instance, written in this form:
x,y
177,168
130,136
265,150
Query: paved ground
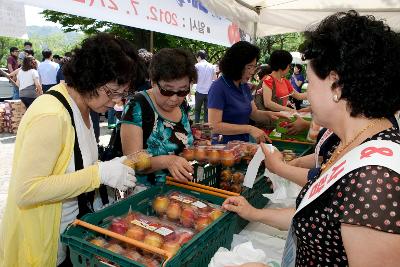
x,y
7,142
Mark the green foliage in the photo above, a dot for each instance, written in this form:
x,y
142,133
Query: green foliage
x,y
5,44
288,41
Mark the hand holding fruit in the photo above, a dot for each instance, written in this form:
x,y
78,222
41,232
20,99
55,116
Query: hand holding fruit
x,y
179,168
117,175
259,135
241,206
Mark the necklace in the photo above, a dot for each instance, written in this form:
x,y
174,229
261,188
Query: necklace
x,y
338,150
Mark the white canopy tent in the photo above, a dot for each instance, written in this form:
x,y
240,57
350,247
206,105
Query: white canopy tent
x,y
269,17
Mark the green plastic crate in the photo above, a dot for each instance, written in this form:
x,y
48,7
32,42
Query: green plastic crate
x,y
298,148
196,253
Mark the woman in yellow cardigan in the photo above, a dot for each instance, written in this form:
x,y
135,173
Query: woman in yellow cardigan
x,y
45,182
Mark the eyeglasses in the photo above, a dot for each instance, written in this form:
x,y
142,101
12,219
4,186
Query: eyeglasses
x,y
165,92
115,96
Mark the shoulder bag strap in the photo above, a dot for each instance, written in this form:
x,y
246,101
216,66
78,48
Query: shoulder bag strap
x,y
83,199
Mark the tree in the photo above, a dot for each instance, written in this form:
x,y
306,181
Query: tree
x,y
288,41
5,44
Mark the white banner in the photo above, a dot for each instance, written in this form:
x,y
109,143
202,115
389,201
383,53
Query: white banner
x,y
185,18
12,19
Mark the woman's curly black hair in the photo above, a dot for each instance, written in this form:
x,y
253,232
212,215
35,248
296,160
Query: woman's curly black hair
x,y
365,53
172,63
102,58
280,60
236,58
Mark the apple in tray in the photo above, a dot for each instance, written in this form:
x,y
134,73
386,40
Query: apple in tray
x,y
202,221
154,239
172,246
188,216
160,205
174,210
119,226
136,232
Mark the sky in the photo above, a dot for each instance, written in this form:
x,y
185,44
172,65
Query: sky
x,y
33,18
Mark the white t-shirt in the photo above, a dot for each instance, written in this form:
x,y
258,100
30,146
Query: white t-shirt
x,y
88,146
26,78
205,76
48,72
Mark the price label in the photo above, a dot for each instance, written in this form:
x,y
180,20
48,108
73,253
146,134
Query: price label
x,y
164,231
199,204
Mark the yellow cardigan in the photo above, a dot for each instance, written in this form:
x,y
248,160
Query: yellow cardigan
x,y
38,185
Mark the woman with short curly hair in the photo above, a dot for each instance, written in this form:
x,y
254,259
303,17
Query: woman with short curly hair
x,y
56,157
157,120
348,214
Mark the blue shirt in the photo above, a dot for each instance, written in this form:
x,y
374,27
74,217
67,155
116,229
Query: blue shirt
x,y
299,77
234,102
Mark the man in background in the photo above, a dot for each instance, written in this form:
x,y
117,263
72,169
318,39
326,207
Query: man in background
x,y
205,76
12,65
48,71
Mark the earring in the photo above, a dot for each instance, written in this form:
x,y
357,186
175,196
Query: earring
x,y
335,98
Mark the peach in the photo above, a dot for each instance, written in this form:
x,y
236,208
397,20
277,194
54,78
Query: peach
x,y
202,222
238,177
188,216
174,210
116,248
237,188
99,241
154,240
172,246
133,255
188,154
200,154
184,237
215,214
135,232
160,204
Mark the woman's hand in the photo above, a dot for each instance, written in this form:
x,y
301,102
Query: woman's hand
x,y
259,135
241,206
273,160
179,168
298,126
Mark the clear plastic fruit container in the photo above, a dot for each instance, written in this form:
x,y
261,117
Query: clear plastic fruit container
x,y
140,160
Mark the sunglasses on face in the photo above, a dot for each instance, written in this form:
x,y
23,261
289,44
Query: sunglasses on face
x,y
165,92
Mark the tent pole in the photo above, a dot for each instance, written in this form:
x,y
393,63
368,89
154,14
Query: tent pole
x,y
240,2
257,9
151,41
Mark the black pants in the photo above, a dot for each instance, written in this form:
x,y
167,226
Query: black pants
x,y
200,99
27,101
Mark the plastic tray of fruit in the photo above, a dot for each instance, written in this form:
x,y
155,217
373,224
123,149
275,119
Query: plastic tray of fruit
x,y
196,252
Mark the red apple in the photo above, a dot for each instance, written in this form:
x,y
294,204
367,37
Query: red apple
x,y
184,237
172,246
174,210
119,226
188,216
136,232
215,214
154,240
160,204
